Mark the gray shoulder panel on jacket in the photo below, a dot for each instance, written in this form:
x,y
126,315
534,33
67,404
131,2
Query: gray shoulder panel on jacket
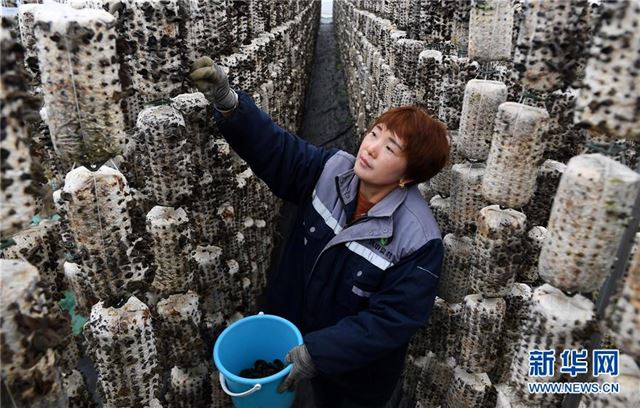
x,y
337,164
414,223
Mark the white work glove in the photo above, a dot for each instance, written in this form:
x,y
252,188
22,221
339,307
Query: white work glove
x,y
212,81
303,368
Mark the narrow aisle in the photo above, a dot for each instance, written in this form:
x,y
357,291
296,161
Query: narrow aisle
x,y
326,120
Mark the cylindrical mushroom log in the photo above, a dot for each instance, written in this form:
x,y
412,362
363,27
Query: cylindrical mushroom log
x,y
516,150
590,212
195,110
76,390
205,200
629,381
178,330
467,390
188,386
434,381
497,250
123,345
609,101
455,277
407,55
211,275
29,335
169,154
200,34
479,109
551,43
98,218
441,333
466,197
159,53
18,204
554,321
428,79
564,139
26,21
460,28
38,245
490,30
412,374
623,315
517,302
481,326
79,74
169,229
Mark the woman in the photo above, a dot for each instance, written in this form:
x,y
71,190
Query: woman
x,y
361,267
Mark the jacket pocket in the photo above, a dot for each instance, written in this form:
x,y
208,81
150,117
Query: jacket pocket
x,y
316,230
315,234
362,280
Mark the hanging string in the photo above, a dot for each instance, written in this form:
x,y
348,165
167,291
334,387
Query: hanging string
x,y
13,401
95,191
75,91
114,165
524,90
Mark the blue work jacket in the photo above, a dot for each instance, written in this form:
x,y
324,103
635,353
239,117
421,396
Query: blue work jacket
x,y
357,290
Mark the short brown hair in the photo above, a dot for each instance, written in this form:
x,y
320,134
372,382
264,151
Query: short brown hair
x,y
425,138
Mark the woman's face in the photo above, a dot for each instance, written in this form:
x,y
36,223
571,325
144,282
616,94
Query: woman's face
x,y
381,160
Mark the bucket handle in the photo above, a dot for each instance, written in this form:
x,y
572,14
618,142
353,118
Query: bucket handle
x,y
223,384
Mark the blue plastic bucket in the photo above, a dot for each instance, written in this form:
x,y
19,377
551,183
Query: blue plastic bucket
x,y
259,337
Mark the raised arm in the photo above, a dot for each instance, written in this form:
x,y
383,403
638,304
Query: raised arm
x,y
289,165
